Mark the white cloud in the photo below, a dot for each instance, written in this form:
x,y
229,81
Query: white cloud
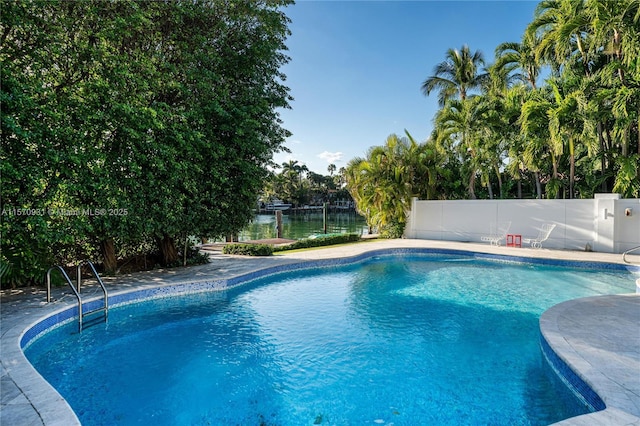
x,y
330,157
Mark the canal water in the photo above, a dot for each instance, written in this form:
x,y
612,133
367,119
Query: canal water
x,y
302,225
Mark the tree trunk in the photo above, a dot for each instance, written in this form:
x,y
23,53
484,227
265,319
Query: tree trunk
x,y
572,167
538,185
555,176
186,249
610,156
519,186
572,175
500,194
603,156
472,183
108,251
168,250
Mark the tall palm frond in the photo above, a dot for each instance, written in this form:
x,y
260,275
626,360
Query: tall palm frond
x,y
456,76
520,57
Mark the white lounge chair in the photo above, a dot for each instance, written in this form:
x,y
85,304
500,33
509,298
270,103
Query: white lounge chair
x,y
498,232
543,235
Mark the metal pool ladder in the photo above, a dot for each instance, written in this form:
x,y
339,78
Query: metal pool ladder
x,y
624,255
76,291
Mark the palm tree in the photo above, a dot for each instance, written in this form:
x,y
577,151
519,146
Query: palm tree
x,y
563,28
520,56
563,112
615,26
460,124
340,179
565,125
627,182
292,167
539,146
383,183
615,31
517,164
496,138
424,161
456,76
293,174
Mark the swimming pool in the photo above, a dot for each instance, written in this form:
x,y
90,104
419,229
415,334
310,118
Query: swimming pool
x,y
429,340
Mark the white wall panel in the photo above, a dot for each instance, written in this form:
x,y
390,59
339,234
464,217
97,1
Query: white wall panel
x,y
599,223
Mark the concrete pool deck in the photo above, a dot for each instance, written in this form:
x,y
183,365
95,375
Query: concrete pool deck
x,y
598,337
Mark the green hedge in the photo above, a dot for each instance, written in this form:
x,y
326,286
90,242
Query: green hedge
x,y
248,249
267,250
320,241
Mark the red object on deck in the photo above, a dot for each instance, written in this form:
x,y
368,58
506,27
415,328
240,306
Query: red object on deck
x,y
514,240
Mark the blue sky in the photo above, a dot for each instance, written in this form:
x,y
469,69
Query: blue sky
x,y
357,66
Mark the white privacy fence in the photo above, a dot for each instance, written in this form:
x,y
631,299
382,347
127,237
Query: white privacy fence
x,y
607,223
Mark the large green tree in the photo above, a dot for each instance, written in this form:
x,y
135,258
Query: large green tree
x,y
148,121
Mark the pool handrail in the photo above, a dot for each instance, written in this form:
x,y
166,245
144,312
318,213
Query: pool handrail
x,y
105,308
66,278
624,255
76,291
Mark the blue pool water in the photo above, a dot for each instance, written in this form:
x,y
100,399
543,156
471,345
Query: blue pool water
x,y
404,341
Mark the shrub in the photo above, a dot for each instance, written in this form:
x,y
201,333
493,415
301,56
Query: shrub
x,y
320,241
267,250
194,257
248,249
393,230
